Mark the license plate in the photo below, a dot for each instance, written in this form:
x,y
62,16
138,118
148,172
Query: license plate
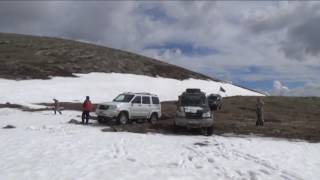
x,y
193,122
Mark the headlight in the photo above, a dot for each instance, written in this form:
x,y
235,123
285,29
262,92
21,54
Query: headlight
x,y
181,109
112,107
206,115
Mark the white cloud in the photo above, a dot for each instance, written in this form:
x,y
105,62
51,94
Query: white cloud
x,y
309,89
279,88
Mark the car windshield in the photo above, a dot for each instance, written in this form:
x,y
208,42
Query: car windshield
x,y
213,98
123,98
193,100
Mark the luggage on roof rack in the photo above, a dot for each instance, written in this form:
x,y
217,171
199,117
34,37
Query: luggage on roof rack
x,y
193,90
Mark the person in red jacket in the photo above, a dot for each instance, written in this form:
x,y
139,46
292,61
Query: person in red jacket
x,y
86,108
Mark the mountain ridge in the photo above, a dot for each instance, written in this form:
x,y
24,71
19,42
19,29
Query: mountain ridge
x,y
40,57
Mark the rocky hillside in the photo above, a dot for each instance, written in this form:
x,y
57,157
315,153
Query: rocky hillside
x,y
33,57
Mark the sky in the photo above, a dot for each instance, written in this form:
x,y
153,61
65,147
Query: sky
x,y
268,46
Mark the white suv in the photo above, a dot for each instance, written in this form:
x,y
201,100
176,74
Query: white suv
x,y
130,106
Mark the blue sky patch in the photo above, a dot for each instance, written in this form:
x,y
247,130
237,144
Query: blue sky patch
x,y
267,85
186,48
158,14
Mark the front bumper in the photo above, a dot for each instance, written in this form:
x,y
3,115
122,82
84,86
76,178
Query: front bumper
x,y
109,114
193,123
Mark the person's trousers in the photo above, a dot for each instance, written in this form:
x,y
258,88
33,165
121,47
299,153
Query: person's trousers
x,y
57,110
260,119
85,116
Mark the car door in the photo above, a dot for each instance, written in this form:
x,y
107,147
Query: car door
x,y
136,107
156,107
146,106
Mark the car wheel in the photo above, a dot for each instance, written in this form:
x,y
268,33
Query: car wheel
x,y
154,118
123,118
210,130
176,129
101,120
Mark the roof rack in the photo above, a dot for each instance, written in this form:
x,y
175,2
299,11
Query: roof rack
x,y
141,93
193,90
146,93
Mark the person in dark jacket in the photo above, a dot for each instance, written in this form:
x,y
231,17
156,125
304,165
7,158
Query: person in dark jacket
x,y
56,106
259,106
86,108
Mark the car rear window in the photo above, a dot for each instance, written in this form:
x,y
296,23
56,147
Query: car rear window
x,y
155,100
145,100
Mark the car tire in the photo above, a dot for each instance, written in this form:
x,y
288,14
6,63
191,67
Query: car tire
x,y
176,129
154,118
123,118
210,130
101,120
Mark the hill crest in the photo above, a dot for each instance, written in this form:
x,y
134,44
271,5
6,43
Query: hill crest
x,y
37,57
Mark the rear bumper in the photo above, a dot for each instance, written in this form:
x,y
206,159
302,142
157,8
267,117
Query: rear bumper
x,y
193,123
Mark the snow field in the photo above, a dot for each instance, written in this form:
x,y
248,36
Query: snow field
x,y
102,87
45,146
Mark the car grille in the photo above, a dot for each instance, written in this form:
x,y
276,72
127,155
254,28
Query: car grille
x,y
194,115
103,107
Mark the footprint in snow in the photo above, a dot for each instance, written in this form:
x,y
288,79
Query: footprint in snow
x,y
264,171
131,159
285,177
253,175
288,176
206,143
210,160
173,164
239,172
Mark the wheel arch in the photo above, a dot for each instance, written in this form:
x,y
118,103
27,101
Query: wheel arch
x,y
154,112
124,111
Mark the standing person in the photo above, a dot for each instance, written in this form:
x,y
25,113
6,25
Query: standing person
x,y
86,108
259,105
56,106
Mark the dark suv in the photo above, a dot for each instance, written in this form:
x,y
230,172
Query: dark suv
x,y
193,111
215,102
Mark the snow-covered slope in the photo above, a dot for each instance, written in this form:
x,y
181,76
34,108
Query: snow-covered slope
x,y
44,146
105,86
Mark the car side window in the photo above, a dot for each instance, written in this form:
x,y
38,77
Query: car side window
x,y
145,100
137,100
155,100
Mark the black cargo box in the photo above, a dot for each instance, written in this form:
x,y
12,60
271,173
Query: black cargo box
x,y
193,90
